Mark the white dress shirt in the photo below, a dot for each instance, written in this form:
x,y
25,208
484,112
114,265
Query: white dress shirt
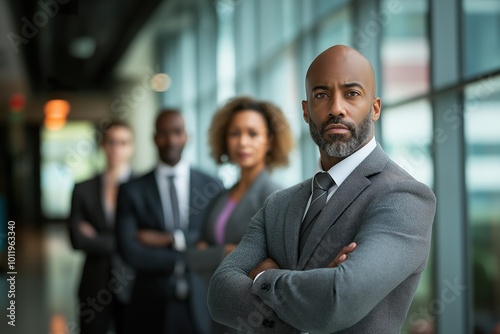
x,y
343,169
182,182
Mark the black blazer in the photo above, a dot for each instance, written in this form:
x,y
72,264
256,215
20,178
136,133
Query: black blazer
x,y
139,206
103,268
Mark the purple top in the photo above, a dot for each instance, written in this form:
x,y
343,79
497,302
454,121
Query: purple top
x,y
222,219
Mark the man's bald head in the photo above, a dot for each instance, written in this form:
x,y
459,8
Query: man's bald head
x,y
168,115
341,60
341,105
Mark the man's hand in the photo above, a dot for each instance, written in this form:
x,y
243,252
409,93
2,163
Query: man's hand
x,y
87,230
201,245
271,264
264,265
155,238
342,255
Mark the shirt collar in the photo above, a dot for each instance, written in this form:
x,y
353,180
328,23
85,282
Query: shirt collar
x,y
179,170
123,177
343,169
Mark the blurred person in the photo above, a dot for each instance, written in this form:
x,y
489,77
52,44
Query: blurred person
x,y
255,136
279,278
106,281
158,216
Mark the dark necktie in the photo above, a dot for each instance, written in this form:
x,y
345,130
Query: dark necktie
x,y
180,282
174,201
321,183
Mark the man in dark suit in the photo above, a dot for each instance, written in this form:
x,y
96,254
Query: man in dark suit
x,y
106,281
158,216
280,279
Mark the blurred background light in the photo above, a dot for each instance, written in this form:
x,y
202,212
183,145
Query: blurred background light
x,y
161,82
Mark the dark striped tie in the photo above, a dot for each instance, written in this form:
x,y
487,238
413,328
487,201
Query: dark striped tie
x,y
321,183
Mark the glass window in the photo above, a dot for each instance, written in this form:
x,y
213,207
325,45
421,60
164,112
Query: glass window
x,y
335,29
405,49
481,47
278,82
410,147
225,56
68,157
325,6
270,28
482,121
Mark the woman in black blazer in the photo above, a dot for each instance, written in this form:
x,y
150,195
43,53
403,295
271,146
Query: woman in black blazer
x,y
255,136
106,281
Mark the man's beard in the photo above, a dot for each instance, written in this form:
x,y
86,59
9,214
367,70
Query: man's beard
x,y
339,148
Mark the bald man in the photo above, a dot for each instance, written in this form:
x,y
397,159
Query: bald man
x,y
281,277
158,216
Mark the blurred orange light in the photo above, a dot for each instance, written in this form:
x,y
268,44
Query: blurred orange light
x,y
57,108
58,324
56,112
54,124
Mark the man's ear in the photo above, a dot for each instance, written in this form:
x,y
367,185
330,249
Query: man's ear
x,y
305,111
376,107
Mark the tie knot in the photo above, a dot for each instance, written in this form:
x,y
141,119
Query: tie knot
x,y
171,177
323,181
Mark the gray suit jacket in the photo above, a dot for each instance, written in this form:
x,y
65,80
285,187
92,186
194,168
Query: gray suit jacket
x,y
204,262
381,207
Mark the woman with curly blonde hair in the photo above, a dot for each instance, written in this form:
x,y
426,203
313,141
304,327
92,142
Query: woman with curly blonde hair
x,y
255,136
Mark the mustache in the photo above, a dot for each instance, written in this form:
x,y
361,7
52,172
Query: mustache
x,y
338,120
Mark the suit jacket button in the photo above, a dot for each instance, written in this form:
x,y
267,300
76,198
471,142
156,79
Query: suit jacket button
x,y
265,286
271,324
265,323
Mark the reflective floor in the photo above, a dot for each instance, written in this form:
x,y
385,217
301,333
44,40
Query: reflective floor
x,y
46,282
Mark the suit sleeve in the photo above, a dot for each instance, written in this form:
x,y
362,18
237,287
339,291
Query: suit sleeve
x,y
393,243
230,299
103,243
139,256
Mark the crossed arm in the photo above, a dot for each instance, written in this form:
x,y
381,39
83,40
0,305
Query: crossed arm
x,y
269,263
391,246
83,235
143,249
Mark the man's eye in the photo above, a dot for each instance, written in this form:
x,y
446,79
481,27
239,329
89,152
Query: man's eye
x,y
353,94
320,95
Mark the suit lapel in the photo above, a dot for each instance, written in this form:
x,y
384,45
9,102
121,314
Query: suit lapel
x,y
246,203
293,219
342,198
154,200
347,193
98,202
194,208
